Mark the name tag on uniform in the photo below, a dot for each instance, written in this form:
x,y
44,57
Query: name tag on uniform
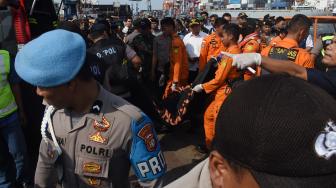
x,y
283,53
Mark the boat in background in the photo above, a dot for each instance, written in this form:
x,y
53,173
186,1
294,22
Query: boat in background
x,y
259,8
260,13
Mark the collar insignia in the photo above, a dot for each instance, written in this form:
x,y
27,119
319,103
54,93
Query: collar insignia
x,y
102,126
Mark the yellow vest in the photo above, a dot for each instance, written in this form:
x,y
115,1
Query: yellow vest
x,y
7,100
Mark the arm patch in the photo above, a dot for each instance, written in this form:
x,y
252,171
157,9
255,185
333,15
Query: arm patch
x,y
146,156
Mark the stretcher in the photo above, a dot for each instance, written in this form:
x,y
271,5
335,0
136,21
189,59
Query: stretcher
x,y
173,109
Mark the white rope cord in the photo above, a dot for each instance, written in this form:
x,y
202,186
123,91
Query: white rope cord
x,y
47,124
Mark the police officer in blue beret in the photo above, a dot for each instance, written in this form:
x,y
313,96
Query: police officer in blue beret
x,y
90,137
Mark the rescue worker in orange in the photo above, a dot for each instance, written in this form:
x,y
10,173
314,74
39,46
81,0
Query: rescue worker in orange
x,y
179,68
250,43
220,87
212,45
288,48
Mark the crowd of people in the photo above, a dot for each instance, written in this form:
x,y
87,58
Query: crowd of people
x,y
268,101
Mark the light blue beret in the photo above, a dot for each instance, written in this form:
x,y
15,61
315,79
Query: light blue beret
x,y
52,59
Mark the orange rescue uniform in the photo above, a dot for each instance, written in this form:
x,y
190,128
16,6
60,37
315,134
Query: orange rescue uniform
x,y
250,44
179,67
275,40
302,57
211,47
219,89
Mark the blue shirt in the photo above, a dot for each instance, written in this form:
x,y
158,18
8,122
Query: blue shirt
x,y
324,80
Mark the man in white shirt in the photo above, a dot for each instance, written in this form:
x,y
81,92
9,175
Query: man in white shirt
x,y
128,25
309,43
193,44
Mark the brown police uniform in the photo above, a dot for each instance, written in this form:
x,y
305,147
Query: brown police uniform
x,y
99,147
198,177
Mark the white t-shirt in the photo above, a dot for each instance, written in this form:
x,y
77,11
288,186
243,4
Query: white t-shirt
x,y
309,42
334,11
193,46
125,30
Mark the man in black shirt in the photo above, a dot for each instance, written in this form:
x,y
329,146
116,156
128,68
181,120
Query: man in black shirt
x,y
113,55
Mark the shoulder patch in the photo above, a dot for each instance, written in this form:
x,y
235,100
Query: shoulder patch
x,y
249,47
292,54
223,63
283,53
147,135
146,156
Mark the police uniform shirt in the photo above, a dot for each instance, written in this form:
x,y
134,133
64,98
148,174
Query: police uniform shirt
x,y
161,49
198,177
129,39
99,149
109,52
325,80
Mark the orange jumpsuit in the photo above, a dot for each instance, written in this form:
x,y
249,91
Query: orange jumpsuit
x,y
219,89
250,44
275,40
179,67
211,46
303,57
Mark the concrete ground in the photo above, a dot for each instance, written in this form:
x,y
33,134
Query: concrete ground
x,y
179,151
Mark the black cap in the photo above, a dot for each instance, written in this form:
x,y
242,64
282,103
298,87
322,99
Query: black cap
x,y
145,23
98,27
242,15
204,12
268,22
283,130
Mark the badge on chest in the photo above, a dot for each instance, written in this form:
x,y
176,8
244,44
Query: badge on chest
x,y
100,127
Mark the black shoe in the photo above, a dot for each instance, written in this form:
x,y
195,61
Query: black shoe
x,y
202,149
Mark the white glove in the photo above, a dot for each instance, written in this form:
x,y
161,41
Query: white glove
x,y
162,80
242,61
198,88
174,87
